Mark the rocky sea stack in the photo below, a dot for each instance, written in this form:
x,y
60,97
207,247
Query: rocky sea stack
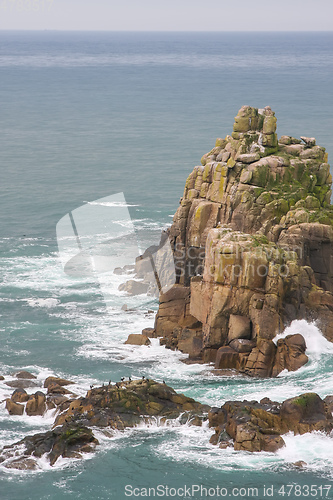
x,y
253,246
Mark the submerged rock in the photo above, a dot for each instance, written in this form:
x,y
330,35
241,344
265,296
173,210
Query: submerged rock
x,y
20,396
126,403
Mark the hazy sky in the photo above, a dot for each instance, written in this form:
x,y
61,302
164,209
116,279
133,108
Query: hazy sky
x,y
158,15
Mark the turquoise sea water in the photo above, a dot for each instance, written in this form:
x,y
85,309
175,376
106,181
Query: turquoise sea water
x,y
87,115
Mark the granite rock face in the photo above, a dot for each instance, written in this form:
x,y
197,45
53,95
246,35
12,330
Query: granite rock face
x,y
68,441
253,247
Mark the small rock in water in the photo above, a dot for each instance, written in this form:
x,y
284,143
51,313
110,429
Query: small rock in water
x,y
21,383
24,374
68,441
133,287
14,408
309,141
149,332
36,404
22,464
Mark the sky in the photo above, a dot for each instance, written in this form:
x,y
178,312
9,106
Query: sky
x,y
167,15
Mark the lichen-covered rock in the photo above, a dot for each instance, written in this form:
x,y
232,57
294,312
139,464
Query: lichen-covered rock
x,y
257,426
306,413
68,441
125,404
134,287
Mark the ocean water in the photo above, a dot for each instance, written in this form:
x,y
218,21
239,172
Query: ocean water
x,y
88,115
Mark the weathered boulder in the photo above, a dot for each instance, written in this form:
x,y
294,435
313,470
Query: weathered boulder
x,y
137,339
56,380
134,287
190,342
306,413
242,345
261,359
249,438
290,354
54,388
329,403
57,400
253,245
125,404
25,375
257,426
228,358
149,332
239,327
19,396
22,464
21,383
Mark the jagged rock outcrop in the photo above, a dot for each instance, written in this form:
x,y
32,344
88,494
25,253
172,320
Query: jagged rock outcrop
x,y
253,426
253,245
